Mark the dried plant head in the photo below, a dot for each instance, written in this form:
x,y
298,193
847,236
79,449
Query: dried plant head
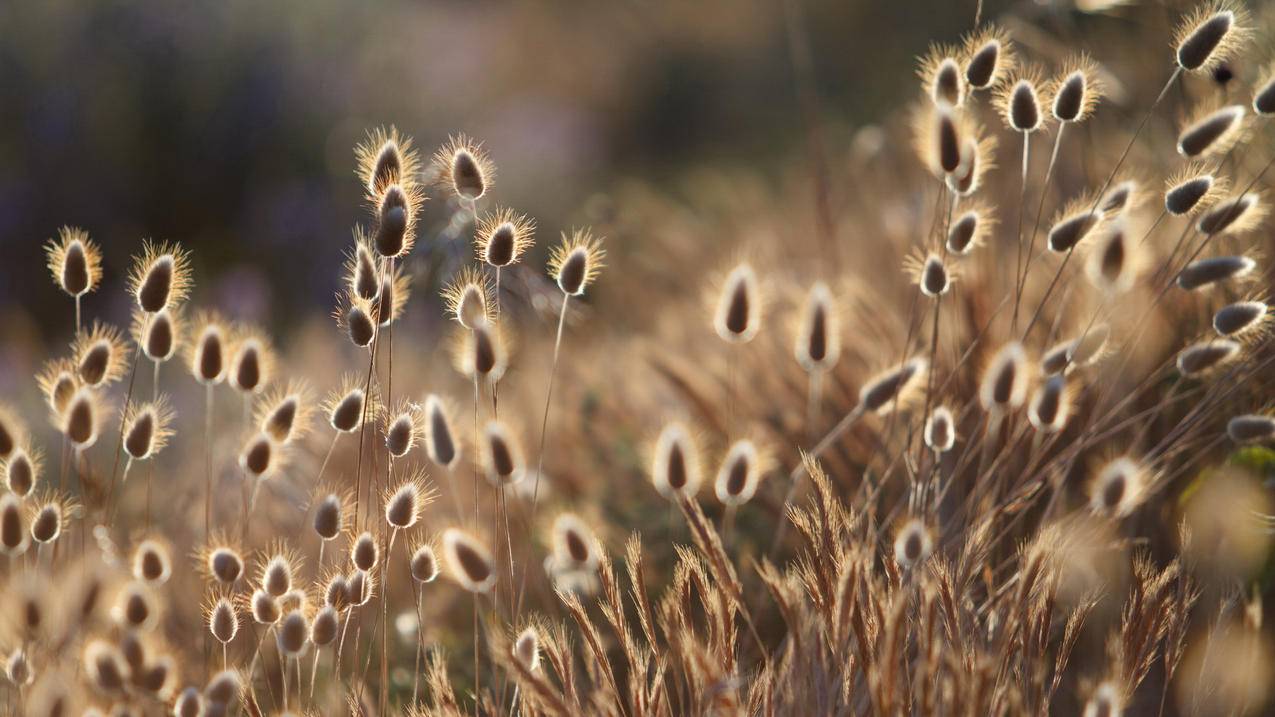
x,y
190,703
22,470
81,420
286,412
741,472
913,543
13,431
978,157
462,167
362,276
385,157
1203,273
941,75
1076,90
1003,387
396,289
576,261
1193,188
50,515
105,667
220,560
263,607
252,363
502,237
58,381
1106,700
818,335
1019,100
356,317
100,355
939,135
1050,405
970,229
1234,216
148,428
364,552
468,561
1074,223
424,563
526,648
989,57
737,317
325,627
152,562
156,334
675,465
225,688
405,504
329,509
160,277
1211,131
1119,486
1210,34
502,456
260,457
136,607
1242,318
469,297
482,352
1114,259
346,406
1264,92
1206,357
442,444
573,543
1124,196
928,271
396,209
940,430
221,617
402,428
894,387
277,567
75,261
207,354
1251,428
292,634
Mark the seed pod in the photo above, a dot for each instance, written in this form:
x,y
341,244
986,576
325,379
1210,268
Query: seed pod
x,y
1251,428
225,688
1115,260
1121,198
46,525
364,552
208,361
1076,92
151,563
1191,189
502,456
259,457
1004,384
740,473
574,546
424,564
292,633
969,230
395,214
156,334
13,530
160,278
75,261
401,431
1050,406
325,627
440,443
893,387
276,574
526,649
136,607
265,608
1240,317
80,420
912,544
462,166
361,587
148,430
1206,272
1205,356
1211,133
223,621
224,565
1264,94
105,667
100,355
947,141
1073,226
675,469
21,471
989,57
576,261
818,344
468,561
329,517
1020,103
359,323
336,593
252,365
940,430
1118,488
738,315
468,298
346,407
502,237
930,274
1236,216
404,504
1208,36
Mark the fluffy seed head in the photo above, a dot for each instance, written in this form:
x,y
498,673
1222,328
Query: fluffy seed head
x,y
1019,102
189,704
357,317
1004,384
1211,133
285,414
940,430
978,157
576,261
1240,318
1206,272
260,457
100,355
574,545
396,210
1206,356
12,430
941,74
225,688
404,504
276,573
912,544
526,648
47,522
468,561
160,277
385,157
346,406
75,261
502,237
969,230
329,516
1076,91
469,297
482,352
252,365
222,562
424,564
740,473
1251,428
264,607
1118,488
364,552
22,471
151,563
1114,260
81,420
989,56
292,633
1073,225
105,667
148,430
1264,93
463,167
930,273
675,468
501,454
818,340
361,275
136,607
893,387
1106,701
403,429
1050,405
738,314
58,381
325,627
223,619
1191,189
1209,35
156,334
1237,215
208,353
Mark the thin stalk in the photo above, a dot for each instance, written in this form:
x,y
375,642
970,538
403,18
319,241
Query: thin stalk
x,y
1040,208
1018,235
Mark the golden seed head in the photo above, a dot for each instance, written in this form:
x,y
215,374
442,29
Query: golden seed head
x,y
441,442
740,473
576,261
1119,486
501,453
738,315
502,237
160,277
1004,384
818,336
912,544
1209,35
81,419
468,561
574,545
469,297
100,355
462,166
22,470
424,564
75,261
675,468
148,429
940,430
526,648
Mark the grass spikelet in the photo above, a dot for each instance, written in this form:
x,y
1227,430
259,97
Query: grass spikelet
x,y
1235,216
912,544
357,318
1114,260
151,562
222,618
895,387
482,353
468,561
1119,486
738,315
190,703
160,277
260,457
574,546
396,289
818,336
285,414
329,517
58,381
940,430
462,167
941,76
252,365
136,607
148,429
22,470
403,428
1050,405
1211,132
1203,273
1073,224
1004,384
424,564
1076,91
1083,350
929,273
1240,318
396,210
364,552
469,297
1207,356
276,571
1122,198
978,157
225,688
385,157
50,516
80,422
207,355
345,406
442,444
156,334
675,466
220,560
501,453
292,634
1264,92
1251,428
502,237
1191,189
1209,35
1019,101
263,607
940,138
970,229
362,279
576,261
989,57
405,504
105,667
526,648
1107,700
741,472
75,261
101,356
